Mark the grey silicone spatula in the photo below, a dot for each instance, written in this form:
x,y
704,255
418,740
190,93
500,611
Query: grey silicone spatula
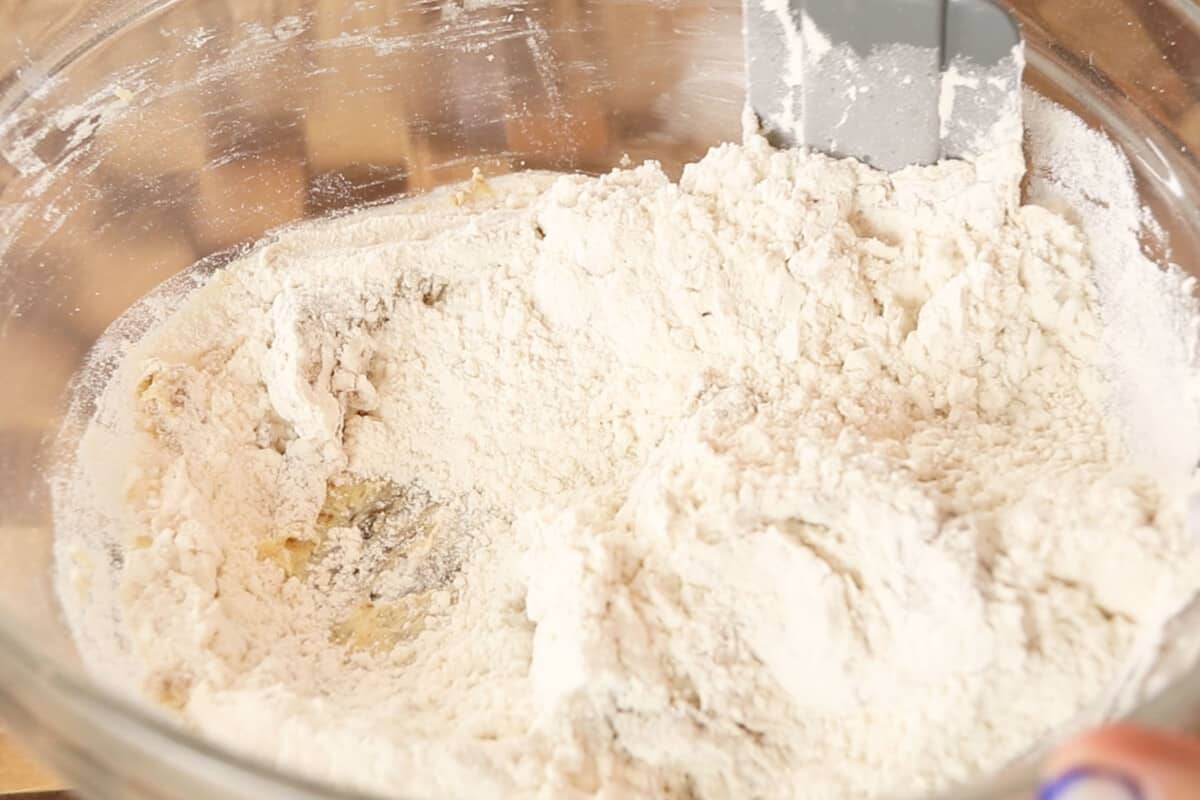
x,y
890,82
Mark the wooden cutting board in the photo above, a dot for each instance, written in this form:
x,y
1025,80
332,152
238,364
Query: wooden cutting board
x,y
20,774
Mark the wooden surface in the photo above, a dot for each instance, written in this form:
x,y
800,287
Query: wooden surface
x,y
19,774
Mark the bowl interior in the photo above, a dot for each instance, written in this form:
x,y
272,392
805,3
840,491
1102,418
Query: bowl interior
x,y
159,134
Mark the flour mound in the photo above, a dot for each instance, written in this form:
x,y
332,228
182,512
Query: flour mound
x,y
791,474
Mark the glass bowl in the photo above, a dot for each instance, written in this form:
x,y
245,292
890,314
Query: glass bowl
x,y
140,136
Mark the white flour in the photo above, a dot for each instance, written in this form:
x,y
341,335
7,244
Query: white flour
x,y
794,478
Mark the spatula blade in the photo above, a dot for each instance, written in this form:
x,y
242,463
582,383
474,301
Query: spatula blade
x,y
891,82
